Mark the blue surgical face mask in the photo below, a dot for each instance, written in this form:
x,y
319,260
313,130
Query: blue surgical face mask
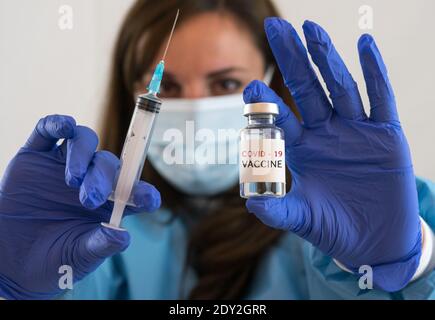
x,y
195,143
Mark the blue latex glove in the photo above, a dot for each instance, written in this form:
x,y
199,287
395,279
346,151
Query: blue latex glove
x,y
52,201
353,191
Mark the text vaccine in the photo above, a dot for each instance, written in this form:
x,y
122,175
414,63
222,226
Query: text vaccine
x,y
262,153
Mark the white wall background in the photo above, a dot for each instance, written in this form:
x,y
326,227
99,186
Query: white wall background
x,y
44,70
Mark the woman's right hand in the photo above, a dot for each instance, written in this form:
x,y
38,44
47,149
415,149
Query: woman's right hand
x,y
52,202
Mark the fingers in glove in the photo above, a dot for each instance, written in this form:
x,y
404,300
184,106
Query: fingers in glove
x,y
49,130
99,179
80,152
299,76
381,95
344,92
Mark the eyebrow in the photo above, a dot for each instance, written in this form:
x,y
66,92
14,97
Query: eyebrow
x,y
222,72
168,75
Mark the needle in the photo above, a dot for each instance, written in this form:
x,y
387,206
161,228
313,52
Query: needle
x,y
171,34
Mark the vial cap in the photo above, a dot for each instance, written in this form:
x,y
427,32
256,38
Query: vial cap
x,y
261,108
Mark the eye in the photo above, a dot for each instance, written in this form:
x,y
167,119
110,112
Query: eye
x,y
170,89
225,86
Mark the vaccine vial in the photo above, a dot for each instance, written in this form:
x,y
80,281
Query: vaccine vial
x,y
262,153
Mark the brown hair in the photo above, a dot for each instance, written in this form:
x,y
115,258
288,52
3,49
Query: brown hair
x,y
226,243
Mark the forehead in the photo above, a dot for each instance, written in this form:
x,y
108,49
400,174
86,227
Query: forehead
x,y
210,41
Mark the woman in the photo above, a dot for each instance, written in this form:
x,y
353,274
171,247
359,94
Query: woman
x,y
353,195
221,65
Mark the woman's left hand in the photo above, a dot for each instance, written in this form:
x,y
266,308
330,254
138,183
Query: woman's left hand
x,y
353,191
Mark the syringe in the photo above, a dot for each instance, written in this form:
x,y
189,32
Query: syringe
x,y
137,142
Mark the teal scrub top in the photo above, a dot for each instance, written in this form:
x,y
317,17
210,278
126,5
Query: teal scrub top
x,y
152,267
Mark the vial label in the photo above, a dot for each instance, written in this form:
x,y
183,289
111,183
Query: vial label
x,y
262,160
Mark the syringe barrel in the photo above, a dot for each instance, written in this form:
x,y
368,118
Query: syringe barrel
x,y
135,148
